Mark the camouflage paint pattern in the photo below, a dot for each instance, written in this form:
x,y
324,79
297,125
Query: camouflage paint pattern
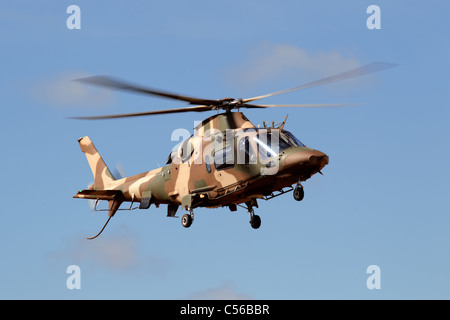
x,y
189,181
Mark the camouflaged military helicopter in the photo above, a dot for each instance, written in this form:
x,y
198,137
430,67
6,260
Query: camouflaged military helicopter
x,y
227,162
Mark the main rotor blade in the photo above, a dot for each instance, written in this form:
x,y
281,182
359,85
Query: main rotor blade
x,y
361,71
109,82
314,105
147,113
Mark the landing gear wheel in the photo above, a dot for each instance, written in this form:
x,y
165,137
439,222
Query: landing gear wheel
x,y
255,221
186,220
298,193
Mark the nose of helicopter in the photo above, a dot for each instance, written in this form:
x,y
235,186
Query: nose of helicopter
x,y
313,158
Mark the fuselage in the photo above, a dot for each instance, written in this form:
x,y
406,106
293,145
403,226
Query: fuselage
x,y
227,161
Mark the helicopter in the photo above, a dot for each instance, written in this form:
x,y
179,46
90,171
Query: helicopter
x,y
227,162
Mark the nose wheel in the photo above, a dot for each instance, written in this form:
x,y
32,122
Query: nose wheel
x,y
299,193
187,219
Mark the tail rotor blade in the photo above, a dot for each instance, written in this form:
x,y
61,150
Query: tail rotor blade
x,y
91,202
119,171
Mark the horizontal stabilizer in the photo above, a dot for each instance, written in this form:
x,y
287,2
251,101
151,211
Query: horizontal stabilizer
x,y
99,194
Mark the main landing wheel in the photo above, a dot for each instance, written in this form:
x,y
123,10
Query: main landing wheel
x,y
298,193
255,221
186,220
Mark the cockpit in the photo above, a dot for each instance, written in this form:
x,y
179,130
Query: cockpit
x,y
241,147
270,143
253,144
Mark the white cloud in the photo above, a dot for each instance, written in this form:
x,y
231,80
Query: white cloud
x,y
224,292
62,91
117,251
268,61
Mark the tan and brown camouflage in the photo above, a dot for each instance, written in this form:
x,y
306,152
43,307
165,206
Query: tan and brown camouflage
x,y
195,177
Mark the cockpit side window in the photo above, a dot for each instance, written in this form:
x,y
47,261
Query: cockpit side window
x,y
169,159
224,158
208,163
245,154
186,150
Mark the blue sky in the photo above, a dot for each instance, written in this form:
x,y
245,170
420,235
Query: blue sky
x,y
382,200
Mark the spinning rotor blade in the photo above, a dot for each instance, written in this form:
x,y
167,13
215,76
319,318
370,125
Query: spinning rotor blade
x,y
297,105
361,71
147,113
109,82
226,103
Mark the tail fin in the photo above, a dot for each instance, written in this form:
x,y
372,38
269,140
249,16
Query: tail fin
x,y
102,175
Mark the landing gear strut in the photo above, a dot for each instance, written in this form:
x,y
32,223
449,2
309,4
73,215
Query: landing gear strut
x,y
187,219
299,193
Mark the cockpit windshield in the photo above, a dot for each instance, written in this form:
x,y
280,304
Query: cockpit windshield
x,y
270,144
292,139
